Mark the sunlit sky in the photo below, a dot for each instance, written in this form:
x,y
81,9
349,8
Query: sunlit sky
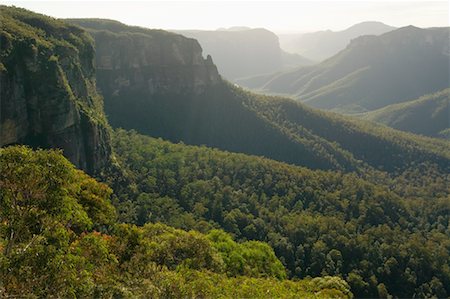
x,y
278,16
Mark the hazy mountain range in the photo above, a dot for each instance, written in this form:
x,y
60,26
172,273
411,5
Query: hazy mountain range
x,y
323,44
372,72
429,115
241,52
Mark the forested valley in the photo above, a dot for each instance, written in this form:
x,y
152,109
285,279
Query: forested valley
x,y
129,168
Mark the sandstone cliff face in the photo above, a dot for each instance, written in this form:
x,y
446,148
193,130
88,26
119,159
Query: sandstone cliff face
x,y
48,97
242,53
152,61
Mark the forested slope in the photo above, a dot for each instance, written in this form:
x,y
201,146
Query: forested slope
x,y
389,236
429,115
59,238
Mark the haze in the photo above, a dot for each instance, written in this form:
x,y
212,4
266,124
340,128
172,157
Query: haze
x,y
278,16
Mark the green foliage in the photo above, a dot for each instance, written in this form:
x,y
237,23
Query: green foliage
x,y
250,258
59,238
345,140
393,231
45,205
170,247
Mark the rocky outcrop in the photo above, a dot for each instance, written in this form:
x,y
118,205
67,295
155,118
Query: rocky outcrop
x,y
152,61
48,96
243,52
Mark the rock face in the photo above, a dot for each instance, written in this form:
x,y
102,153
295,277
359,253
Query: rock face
x,y
152,61
48,97
243,52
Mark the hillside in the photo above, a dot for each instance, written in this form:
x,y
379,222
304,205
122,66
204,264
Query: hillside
x,y
59,238
368,216
212,112
244,52
376,236
429,115
47,89
321,45
372,72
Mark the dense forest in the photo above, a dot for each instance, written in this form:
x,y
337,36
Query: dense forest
x,y
208,191
389,237
59,238
230,118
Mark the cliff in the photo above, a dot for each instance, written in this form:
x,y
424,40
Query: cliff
x,y
244,52
152,61
48,96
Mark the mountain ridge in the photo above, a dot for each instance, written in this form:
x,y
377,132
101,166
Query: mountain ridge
x,y
321,45
372,72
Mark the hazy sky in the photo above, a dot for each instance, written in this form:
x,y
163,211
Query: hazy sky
x,y
279,16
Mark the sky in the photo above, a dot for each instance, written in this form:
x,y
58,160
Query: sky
x,y
278,16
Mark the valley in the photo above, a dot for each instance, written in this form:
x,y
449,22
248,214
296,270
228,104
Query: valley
x,y
130,167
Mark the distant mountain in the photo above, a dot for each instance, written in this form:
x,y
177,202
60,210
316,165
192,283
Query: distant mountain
x,y
429,115
235,28
241,52
324,44
372,72
157,83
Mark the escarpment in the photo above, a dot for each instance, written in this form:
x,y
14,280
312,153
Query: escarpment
x,y
159,84
48,96
152,61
